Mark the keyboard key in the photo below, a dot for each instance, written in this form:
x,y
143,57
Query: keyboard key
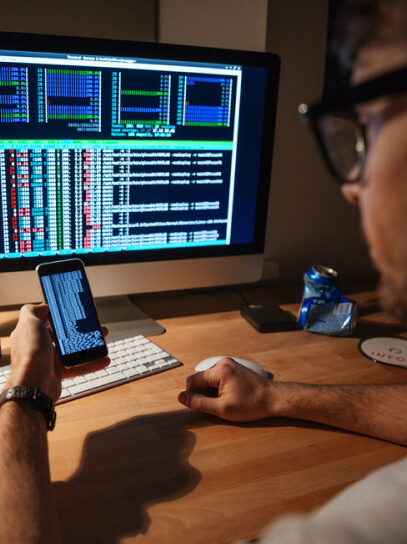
x,y
99,382
154,357
130,372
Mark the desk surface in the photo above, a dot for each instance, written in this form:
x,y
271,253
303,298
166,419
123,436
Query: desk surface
x,y
132,465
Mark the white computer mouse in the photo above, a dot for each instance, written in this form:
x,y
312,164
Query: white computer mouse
x,y
211,361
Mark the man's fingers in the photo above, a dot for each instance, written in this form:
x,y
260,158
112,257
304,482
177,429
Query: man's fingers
x,y
41,311
208,379
87,368
198,402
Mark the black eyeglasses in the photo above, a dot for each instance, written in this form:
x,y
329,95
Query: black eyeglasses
x,y
340,136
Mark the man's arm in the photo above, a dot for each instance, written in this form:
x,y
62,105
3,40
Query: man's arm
x,y
375,410
27,513
27,509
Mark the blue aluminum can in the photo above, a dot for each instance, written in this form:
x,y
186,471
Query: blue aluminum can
x,y
321,281
323,309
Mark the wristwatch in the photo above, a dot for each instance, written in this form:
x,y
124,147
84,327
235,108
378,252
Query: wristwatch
x,y
40,400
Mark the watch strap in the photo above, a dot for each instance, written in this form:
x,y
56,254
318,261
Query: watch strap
x,y
40,400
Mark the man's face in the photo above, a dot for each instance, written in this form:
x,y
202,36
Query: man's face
x,y
382,194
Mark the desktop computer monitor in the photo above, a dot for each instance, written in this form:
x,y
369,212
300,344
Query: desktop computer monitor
x,y
149,162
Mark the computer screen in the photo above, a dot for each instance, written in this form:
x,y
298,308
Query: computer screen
x,y
150,162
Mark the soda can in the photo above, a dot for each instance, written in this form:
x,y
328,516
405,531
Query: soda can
x,y
334,316
323,309
321,281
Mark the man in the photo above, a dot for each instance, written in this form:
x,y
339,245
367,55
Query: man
x,y
372,511
363,136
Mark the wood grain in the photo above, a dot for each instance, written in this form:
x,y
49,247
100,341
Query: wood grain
x,y
131,465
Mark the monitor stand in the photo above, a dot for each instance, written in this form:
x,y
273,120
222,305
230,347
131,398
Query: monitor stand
x,y
123,318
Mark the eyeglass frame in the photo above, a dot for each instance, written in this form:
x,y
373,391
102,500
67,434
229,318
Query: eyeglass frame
x,y
343,102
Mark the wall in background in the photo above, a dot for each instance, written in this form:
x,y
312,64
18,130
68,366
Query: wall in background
x,y
309,221
237,24
125,19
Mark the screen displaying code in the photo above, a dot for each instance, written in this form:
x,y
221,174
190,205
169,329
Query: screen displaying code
x,y
73,314
102,155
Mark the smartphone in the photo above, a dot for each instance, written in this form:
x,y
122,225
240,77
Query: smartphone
x,y
78,334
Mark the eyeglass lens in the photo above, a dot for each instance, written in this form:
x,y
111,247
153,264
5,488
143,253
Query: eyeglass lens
x,y
344,145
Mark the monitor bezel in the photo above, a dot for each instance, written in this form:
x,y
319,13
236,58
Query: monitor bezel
x,y
10,41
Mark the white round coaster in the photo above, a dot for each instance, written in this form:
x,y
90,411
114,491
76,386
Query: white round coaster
x,y
390,350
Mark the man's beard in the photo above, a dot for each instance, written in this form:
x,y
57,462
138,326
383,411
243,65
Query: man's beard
x,y
393,299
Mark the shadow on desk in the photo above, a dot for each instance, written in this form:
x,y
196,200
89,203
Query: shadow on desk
x,y
371,322
124,470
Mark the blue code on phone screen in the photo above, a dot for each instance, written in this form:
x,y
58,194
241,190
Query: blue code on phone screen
x,y
73,314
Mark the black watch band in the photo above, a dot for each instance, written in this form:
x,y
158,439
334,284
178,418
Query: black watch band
x,y
40,400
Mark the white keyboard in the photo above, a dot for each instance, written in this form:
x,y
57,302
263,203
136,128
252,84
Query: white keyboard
x,y
131,358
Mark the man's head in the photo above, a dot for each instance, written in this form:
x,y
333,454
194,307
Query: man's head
x,y
372,41
377,44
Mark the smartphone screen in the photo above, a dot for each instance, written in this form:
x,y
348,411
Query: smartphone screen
x,y
78,334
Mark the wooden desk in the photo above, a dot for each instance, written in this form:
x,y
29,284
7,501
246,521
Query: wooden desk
x,y
132,465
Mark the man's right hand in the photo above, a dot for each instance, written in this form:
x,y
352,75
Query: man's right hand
x,y
230,391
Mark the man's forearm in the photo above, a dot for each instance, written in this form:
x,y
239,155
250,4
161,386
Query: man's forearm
x,y
374,410
27,513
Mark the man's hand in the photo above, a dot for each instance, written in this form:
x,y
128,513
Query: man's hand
x,y
230,391
34,361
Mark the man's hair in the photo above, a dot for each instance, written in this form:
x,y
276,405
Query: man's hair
x,y
367,22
